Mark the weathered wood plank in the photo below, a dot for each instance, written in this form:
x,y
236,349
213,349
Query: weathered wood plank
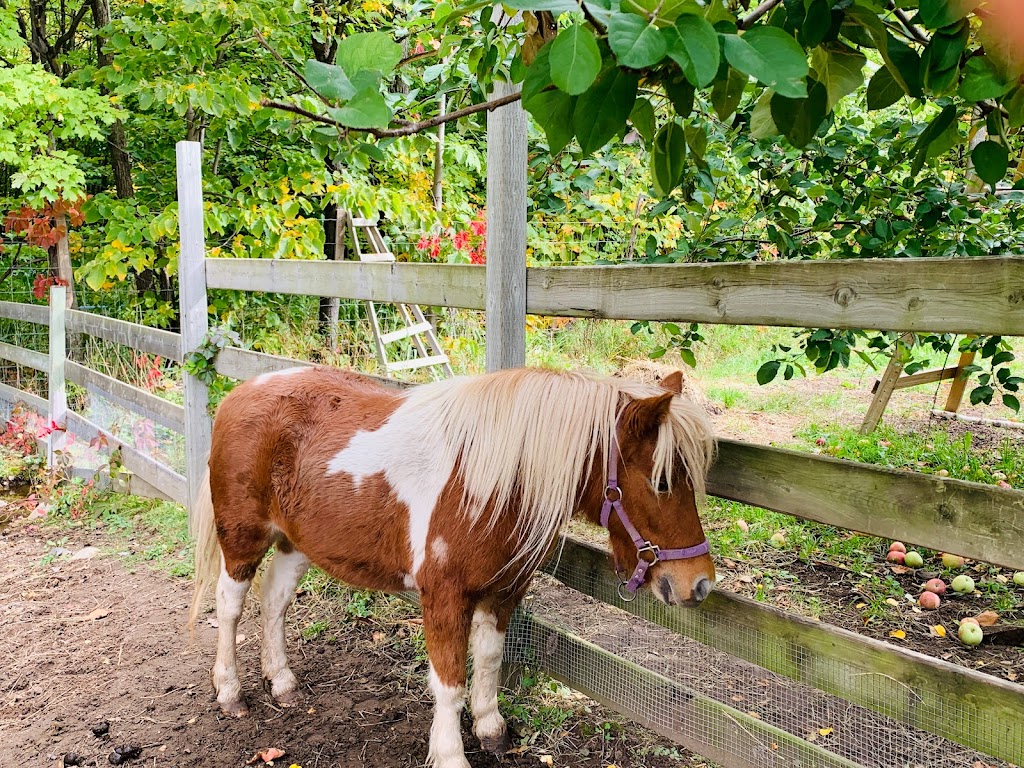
x,y
141,337
15,395
714,730
29,313
163,478
927,377
930,295
195,313
244,364
170,415
883,389
460,285
980,296
40,361
973,709
982,522
58,356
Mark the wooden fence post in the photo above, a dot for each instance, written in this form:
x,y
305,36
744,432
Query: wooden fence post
x,y
194,312
506,233
58,397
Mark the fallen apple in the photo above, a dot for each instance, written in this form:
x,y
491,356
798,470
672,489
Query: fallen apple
x,y
938,586
963,584
952,561
929,601
913,559
895,556
898,546
1018,578
778,539
970,620
970,634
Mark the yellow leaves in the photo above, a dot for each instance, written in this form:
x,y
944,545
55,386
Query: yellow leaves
x,y
899,634
937,630
824,731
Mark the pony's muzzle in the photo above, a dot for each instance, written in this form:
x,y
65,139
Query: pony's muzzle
x,y
667,588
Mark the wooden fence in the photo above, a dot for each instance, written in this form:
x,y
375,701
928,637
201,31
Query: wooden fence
x,y
978,296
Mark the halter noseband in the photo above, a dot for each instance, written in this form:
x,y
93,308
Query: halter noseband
x,y
613,500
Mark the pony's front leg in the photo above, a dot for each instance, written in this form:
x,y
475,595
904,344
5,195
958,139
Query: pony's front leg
x,y
446,625
488,647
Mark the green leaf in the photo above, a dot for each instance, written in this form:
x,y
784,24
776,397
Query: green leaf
x,y
940,63
1015,107
668,158
366,110
982,80
839,67
636,43
697,140
816,23
883,90
328,80
666,10
368,50
538,74
726,94
553,112
799,119
146,99
575,59
935,129
642,118
693,45
771,56
941,13
1012,403
762,124
990,159
681,93
767,372
555,6
602,111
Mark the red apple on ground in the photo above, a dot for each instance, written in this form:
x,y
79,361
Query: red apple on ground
x,y
938,586
898,546
895,556
929,601
970,620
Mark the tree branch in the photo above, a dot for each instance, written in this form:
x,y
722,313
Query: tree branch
x,y
68,36
913,31
301,78
748,21
406,130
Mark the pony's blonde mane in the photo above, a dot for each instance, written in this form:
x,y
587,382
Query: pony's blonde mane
x,y
534,433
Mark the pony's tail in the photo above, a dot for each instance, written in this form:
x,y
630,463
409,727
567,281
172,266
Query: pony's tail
x,y
203,530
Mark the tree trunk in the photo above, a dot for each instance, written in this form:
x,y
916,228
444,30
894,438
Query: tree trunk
x,y
120,163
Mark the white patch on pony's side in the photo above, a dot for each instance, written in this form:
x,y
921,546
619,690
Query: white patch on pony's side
x,y
412,461
263,378
439,550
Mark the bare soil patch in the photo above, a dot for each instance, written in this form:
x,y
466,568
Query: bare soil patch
x,y
91,641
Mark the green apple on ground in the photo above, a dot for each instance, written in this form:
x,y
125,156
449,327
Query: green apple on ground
x,y
913,559
970,633
1018,578
952,561
963,584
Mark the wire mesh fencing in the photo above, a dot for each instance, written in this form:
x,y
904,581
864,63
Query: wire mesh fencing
x,y
735,712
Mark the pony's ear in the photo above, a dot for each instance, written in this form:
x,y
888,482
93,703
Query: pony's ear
x,y
673,383
641,417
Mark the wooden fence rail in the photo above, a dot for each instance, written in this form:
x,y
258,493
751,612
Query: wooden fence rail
x,y
919,690
977,296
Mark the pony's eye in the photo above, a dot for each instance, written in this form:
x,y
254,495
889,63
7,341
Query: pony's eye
x,y
663,486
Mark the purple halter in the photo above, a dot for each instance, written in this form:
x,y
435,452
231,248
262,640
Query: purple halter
x,y
643,546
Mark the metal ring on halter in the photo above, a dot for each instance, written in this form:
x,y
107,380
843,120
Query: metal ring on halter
x,y
609,489
654,549
625,595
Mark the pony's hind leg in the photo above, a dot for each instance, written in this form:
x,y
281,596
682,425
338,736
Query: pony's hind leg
x,y
488,645
286,569
230,601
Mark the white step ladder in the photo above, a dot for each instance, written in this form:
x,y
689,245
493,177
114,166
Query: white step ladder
x,y
416,326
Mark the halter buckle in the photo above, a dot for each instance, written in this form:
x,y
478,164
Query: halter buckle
x,y
612,493
655,551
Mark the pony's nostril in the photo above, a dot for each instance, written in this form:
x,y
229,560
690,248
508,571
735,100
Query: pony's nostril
x,y
702,588
665,589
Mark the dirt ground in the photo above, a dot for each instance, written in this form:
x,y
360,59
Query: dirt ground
x,y
92,641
